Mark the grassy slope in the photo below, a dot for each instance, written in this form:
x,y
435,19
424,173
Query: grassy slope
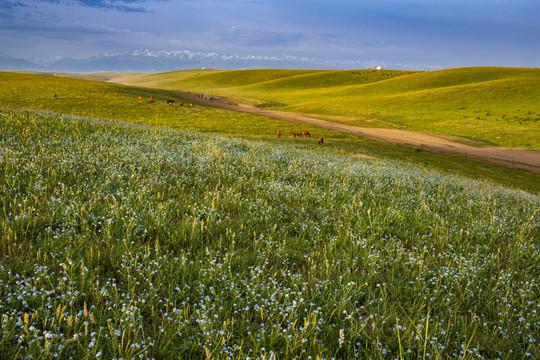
x,y
497,105
109,101
130,241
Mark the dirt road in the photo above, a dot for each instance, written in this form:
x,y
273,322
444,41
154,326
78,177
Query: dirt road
x,y
510,157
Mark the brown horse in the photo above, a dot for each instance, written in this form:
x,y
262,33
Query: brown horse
x,y
292,134
321,140
306,133
279,134
151,101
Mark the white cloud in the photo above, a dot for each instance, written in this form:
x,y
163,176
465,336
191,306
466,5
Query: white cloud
x,y
493,32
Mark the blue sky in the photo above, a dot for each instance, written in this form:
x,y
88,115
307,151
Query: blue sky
x,y
414,34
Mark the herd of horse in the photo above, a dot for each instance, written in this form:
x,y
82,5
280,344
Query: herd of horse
x,y
169,102
293,134
299,134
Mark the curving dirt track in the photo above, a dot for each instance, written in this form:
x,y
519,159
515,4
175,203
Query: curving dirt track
x,y
523,159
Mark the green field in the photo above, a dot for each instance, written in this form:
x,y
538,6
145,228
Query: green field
x,y
135,230
127,240
499,106
117,102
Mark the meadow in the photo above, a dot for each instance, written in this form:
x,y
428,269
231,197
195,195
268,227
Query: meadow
x,y
497,106
112,101
127,240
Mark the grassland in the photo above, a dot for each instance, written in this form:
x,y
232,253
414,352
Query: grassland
x,y
499,106
125,240
110,101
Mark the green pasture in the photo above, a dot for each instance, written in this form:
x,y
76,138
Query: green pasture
x,y
498,106
121,240
118,102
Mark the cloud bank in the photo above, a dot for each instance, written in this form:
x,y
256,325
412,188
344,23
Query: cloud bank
x,y
419,33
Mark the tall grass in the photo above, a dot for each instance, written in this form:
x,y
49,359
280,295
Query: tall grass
x,y
129,241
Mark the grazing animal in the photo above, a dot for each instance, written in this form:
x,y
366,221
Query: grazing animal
x,y
170,102
298,134
321,140
306,133
190,105
151,101
55,96
279,134
180,104
292,134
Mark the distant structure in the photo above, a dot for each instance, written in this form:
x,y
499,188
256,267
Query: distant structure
x,y
379,67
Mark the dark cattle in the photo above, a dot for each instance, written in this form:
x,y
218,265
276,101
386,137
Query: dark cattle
x,y
306,133
321,140
170,102
279,134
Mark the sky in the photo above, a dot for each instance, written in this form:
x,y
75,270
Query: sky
x,y
410,34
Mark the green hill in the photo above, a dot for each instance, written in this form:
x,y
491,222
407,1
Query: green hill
x,y
119,102
500,106
121,239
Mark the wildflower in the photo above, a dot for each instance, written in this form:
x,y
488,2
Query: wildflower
x,y
341,337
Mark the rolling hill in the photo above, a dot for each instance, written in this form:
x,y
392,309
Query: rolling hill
x,y
500,106
103,100
130,235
